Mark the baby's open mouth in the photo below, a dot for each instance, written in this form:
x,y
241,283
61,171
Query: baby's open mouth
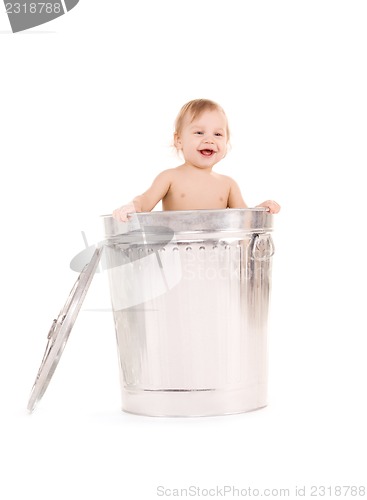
x,y
207,152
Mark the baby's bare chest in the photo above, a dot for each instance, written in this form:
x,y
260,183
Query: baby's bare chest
x,y
204,192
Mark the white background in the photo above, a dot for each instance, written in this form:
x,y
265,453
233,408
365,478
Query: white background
x,y
88,103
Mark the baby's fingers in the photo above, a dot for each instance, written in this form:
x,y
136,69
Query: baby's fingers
x,y
273,206
120,215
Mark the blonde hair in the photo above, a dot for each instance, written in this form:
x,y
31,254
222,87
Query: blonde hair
x,y
194,109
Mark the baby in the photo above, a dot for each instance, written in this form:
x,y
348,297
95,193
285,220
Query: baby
x,y
202,135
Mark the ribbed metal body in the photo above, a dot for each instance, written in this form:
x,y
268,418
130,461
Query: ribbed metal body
x,y
190,295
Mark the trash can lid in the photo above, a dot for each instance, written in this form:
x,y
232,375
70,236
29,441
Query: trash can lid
x,y
61,328
248,220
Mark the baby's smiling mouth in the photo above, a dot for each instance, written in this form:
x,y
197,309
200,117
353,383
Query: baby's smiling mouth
x,y
207,152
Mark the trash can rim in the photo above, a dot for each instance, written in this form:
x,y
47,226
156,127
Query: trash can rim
x,y
199,221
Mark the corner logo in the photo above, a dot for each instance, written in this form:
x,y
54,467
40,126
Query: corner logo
x,y
27,14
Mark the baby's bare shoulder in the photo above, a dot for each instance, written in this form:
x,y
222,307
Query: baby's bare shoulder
x,y
168,171
176,173
223,178
166,175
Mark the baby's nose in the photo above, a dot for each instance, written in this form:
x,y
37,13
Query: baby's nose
x,y
208,140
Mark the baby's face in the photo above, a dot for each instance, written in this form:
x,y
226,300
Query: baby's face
x,y
203,141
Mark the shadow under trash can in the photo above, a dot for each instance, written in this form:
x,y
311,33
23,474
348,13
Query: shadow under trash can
x,y
190,297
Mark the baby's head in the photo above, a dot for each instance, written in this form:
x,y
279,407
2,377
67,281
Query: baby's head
x,y
194,109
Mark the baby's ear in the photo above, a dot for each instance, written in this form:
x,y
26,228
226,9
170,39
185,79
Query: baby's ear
x,y
177,141
228,148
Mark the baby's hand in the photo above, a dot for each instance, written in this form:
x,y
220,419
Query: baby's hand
x,y
271,205
120,214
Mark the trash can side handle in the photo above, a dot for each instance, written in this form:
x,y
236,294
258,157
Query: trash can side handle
x,y
258,253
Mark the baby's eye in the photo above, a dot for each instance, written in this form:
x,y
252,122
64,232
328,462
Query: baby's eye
x,y
198,132
218,134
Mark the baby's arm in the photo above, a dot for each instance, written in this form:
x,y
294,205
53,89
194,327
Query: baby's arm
x,y
148,200
235,200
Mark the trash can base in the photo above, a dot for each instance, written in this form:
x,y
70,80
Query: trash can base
x,y
194,403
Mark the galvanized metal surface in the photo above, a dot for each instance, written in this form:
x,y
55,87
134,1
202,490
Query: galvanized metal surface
x,y
191,310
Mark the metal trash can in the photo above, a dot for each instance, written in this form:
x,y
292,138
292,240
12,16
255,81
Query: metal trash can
x,y
190,296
